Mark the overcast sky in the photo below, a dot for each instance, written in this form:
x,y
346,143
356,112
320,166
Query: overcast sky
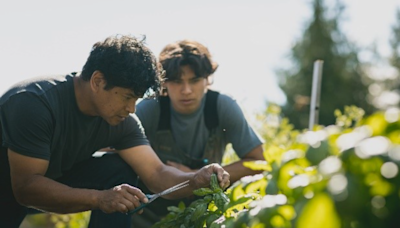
x,y
249,39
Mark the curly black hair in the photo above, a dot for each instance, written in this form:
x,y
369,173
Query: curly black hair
x,y
125,62
186,52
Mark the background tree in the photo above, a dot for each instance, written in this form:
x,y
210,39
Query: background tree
x,y
385,91
343,79
395,57
395,43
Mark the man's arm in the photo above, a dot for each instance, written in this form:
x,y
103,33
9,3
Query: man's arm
x,y
236,169
157,176
32,189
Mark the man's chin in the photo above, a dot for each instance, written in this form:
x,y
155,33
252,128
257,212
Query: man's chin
x,y
114,122
187,110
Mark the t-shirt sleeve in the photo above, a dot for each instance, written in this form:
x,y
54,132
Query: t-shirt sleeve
x,y
148,112
238,131
27,125
131,134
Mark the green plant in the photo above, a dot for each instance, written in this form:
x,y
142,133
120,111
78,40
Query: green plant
x,y
343,175
201,212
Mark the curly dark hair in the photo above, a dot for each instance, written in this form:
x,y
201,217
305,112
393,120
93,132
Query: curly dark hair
x,y
125,62
186,52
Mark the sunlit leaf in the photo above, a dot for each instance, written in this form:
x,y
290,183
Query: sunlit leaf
x,y
381,188
257,165
237,192
273,154
278,221
319,212
394,136
376,122
256,186
287,211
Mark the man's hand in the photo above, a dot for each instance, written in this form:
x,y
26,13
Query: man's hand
x,y
202,177
122,198
158,176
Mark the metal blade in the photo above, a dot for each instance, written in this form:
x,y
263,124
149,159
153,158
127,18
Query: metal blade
x,y
169,190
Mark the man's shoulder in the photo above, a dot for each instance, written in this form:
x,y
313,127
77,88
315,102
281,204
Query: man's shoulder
x,y
225,99
36,85
148,102
43,80
147,108
228,107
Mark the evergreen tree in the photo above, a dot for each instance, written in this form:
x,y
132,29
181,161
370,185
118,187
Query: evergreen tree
x,y
391,91
395,43
343,80
385,91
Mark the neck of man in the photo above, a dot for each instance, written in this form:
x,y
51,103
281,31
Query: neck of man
x,y
84,97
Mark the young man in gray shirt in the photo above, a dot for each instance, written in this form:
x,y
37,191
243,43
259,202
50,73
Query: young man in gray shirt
x,y
190,125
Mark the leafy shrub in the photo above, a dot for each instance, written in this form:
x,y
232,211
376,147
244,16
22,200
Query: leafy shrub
x,y
343,175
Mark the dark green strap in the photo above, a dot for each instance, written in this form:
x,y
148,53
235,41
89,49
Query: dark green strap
x,y
165,114
210,110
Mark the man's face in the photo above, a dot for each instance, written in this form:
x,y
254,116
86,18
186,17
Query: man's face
x,y
115,104
187,92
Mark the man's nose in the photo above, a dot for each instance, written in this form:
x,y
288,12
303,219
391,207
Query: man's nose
x,y
186,88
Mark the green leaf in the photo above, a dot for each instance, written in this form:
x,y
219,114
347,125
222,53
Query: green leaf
x,y
174,209
272,187
210,219
220,200
316,155
258,165
319,212
199,211
214,182
203,191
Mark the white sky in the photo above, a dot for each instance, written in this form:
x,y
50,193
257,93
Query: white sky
x,y
249,39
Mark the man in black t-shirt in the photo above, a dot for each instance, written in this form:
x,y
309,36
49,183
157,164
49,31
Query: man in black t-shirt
x,y
51,126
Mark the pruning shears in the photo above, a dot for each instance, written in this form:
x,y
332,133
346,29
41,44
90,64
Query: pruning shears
x,y
153,197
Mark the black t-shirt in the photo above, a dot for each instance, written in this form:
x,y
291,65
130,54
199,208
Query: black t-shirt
x,y
40,118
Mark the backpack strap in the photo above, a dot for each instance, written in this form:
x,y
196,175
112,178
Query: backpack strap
x,y
164,122
210,111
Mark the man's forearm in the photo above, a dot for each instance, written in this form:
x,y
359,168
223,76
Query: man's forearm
x,y
237,170
45,194
170,176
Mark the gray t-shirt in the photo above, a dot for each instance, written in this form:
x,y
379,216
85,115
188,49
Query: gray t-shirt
x,y
190,132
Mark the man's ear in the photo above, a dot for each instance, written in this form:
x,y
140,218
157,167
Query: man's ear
x,y
97,81
164,91
210,80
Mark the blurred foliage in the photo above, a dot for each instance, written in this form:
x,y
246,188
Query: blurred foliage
x,y
229,156
77,220
344,80
344,175
43,220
